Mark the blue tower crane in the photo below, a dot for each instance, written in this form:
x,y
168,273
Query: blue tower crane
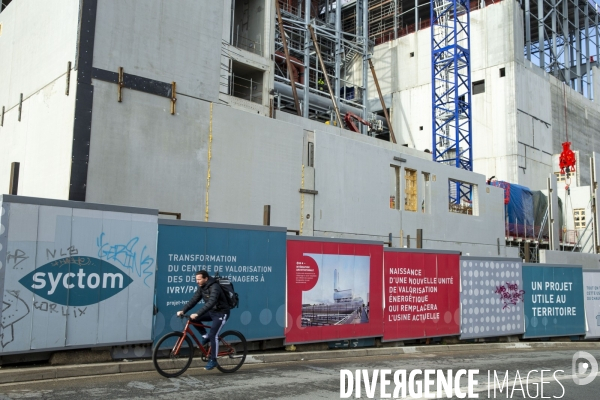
x,y
451,90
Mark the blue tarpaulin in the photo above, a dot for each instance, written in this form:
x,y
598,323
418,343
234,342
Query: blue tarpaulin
x,y
519,210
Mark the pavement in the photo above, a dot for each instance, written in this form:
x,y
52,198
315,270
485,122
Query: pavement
x,y
28,374
517,372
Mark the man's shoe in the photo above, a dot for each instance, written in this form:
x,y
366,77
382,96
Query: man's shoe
x,y
211,364
204,341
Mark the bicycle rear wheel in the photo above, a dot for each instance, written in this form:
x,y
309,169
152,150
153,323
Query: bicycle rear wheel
x,y
231,351
173,355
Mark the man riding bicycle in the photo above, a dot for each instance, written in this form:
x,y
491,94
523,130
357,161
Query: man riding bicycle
x,y
216,309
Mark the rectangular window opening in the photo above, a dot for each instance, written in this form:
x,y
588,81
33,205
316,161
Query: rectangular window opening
x,y
462,197
502,72
247,26
560,177
412,53
479,87
246,82
426,193
394,186
410,191
579,218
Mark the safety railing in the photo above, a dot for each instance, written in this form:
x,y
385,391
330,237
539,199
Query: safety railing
x,y
247,89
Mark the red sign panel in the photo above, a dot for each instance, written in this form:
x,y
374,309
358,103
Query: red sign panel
x,y
334,290
422,295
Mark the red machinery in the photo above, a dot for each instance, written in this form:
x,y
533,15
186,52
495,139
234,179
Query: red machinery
x,y
567,159
349,119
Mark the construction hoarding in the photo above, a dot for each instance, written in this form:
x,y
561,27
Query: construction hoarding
x,y
421,294
251,257
75,274
334,289
591,293
491,297
553,300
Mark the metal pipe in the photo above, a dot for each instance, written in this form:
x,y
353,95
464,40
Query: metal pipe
x,y
566,42
365,60
554,60
287,58
319,101
337,110
582,234
528,30
305,102
232,22
416,15
587,51
577,37
383,107
541,40
395,19
338,49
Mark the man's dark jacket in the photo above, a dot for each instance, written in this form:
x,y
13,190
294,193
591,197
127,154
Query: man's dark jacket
x,y
214,298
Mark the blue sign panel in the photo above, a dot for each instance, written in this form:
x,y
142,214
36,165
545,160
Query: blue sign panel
x,y
253,258
553,300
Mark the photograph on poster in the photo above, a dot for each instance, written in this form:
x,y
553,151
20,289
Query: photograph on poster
x,y
341,294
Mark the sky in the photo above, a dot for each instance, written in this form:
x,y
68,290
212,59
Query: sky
x,y
354,273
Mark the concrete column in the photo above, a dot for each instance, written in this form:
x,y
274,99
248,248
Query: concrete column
x,y
553,213
541,40
593,191
307,47
528,30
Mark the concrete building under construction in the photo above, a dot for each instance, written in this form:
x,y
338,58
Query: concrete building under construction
x,y
321,109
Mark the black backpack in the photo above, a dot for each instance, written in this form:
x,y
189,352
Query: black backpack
x,y
227,287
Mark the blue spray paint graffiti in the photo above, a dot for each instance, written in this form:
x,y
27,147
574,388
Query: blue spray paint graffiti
x,y
126,256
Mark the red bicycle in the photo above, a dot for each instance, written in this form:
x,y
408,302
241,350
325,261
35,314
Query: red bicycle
x,y
174,352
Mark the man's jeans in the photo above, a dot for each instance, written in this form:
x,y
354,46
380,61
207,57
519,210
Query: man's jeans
x,y
218,319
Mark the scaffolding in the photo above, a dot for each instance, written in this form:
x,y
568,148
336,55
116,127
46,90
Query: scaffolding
x,y
451,92
344,54
562,38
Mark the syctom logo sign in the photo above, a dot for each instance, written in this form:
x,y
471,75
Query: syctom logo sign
x,y
76,281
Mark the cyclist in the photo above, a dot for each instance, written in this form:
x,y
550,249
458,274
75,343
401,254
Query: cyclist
x,y
216,309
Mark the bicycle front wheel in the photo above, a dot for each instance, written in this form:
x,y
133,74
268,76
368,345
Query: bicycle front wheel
x,y
173,354
231,351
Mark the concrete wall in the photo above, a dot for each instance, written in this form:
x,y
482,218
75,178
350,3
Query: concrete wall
x,y
37,42
518,122
156,40
142,155
212,161
582,122
566,257
495,38
352,179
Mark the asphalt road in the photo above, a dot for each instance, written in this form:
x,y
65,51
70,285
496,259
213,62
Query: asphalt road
x,y
321,379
